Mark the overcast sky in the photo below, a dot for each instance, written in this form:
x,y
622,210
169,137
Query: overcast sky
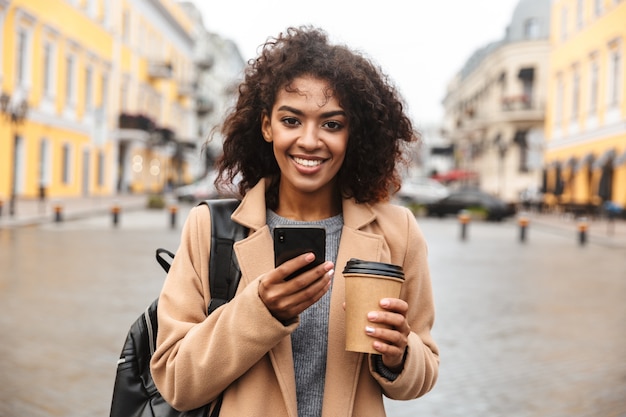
x,y
420,44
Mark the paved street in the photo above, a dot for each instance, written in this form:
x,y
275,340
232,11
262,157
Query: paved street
x,y
525,329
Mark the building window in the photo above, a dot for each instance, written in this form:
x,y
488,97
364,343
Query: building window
x,y
593,85
44,163
579,14
88,88
126,26
100,170
49,65
575,92
22,58
597,8
2,17
106,12
531,29
104,93
70,80
92,8
615,75
564,23
66,167
560,92
124,105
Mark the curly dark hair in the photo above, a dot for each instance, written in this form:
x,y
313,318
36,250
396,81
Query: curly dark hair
x,y
378,124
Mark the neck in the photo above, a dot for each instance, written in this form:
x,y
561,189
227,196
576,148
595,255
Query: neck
x,y
308,207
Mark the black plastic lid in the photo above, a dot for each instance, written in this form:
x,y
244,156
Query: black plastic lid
x,y
358,266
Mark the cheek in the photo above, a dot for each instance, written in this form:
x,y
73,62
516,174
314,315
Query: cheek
x,y
340,150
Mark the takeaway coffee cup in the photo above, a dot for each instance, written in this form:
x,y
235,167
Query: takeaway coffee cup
x,y
366,284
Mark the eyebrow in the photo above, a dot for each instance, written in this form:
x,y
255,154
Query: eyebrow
x,y
300,112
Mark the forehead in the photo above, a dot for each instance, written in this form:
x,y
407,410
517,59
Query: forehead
x,y
308,89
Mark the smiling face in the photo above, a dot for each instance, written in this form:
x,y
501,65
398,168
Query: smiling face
x,y
309,132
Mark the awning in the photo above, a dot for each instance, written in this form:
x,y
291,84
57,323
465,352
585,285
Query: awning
x,y
585,160
526,74
520,138
455,175
571,162
559,185
606,158
620,160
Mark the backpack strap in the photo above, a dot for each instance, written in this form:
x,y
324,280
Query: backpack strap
x,y
224,273
165,264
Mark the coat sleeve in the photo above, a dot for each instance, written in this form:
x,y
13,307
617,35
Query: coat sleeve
x,y
198,356
421,366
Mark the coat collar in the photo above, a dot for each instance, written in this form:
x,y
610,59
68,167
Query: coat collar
x,y
251,211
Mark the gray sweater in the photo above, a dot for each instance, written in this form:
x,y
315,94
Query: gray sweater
x,y
310,339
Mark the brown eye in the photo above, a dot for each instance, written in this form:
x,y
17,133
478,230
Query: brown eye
x,y
333,125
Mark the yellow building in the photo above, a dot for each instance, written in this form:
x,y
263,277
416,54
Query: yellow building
x,y
586,118
96,96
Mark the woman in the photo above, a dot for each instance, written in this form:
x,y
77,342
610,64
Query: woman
x,y
315,139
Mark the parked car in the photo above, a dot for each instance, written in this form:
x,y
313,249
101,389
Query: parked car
x,y
422,190
493,207
531,198
198,190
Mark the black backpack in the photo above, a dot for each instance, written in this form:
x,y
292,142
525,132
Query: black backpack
x,y
134,392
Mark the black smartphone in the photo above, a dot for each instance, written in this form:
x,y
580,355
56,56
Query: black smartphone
x,y
292,241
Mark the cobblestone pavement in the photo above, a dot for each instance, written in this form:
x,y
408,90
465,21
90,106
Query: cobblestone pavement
x,y
525,329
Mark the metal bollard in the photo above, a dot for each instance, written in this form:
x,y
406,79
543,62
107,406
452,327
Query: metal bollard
x,y
464,219
582,231
58,213
173,213
523,222
115,212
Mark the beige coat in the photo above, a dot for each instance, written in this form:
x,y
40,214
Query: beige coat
x,y
242,349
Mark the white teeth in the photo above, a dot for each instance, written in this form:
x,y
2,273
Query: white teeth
x,y
308,162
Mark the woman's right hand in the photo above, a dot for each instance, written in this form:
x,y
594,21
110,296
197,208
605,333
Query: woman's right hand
x,y
287,299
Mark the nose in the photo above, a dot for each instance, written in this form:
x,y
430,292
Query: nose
x,y
310,137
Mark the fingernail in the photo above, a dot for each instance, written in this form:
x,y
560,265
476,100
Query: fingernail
x,y
331,273
372,315
309,257
369,329
384,302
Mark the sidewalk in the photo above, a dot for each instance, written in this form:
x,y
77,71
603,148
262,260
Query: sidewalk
x,y
30,212
598,231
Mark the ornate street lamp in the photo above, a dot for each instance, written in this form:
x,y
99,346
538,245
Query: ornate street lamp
x,y
15,112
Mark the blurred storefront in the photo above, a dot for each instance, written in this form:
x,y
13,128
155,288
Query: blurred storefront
x,y
495,106
98,97
586,123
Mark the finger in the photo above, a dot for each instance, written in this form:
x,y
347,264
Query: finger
x,y
287,268
294,304
395,304
393,320
389,337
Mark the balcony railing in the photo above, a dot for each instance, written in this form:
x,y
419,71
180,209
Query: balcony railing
x,y
135,121
519,102
160,69
204,106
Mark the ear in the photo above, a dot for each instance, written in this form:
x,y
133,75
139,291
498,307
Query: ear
x,y
266,127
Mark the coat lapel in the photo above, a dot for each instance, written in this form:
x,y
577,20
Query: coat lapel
x,y
255,255
341,386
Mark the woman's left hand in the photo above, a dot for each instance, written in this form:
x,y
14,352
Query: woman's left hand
x,y
391,343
